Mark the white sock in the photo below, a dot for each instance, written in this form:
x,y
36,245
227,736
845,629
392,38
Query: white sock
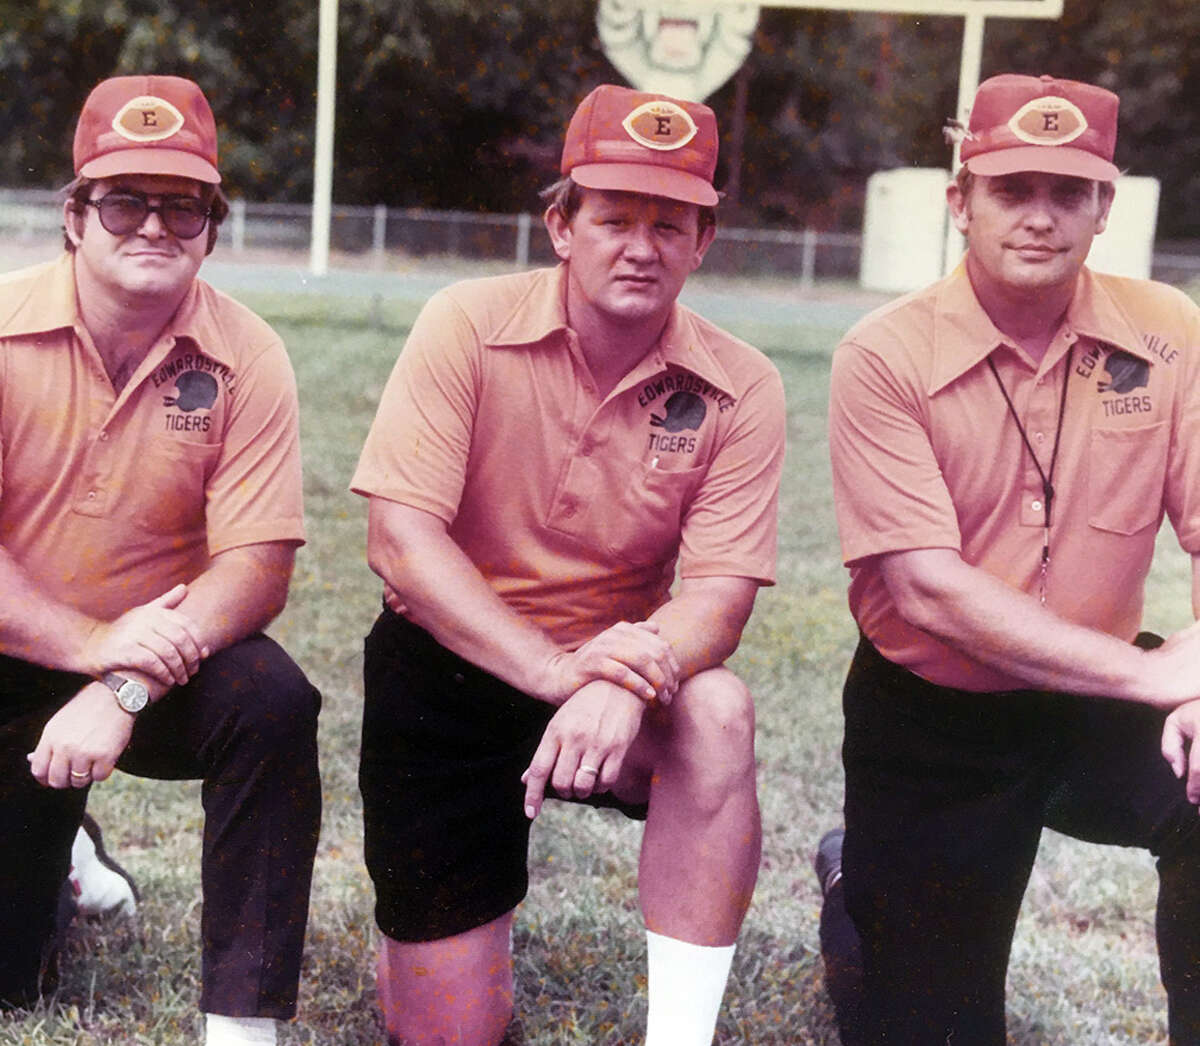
x,y
98,889
238,1031
687,982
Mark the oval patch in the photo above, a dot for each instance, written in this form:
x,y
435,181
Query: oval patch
x,y
660,125
147,119
1048,121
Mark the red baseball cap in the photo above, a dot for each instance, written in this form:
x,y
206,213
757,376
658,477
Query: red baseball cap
x,y
146,125
1039,123
635,141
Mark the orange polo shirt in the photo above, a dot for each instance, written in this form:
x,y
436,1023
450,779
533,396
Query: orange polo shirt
x,y
926,454
574,506
108,499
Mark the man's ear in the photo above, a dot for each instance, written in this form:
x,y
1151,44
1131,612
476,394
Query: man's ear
x,y
560,232
1106,191
703,242
960,212
73,218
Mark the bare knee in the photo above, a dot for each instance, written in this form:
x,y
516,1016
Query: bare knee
x,y
712,734
715,708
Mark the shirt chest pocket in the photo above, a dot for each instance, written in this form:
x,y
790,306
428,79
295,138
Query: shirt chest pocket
x,y
642,524
1126,472
170,480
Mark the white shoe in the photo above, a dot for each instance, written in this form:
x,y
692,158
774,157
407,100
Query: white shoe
x,y
99,884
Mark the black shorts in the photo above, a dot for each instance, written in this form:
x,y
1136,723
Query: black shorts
x,y
444,745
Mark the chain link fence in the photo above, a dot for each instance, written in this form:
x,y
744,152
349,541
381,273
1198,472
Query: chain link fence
x,y
380,235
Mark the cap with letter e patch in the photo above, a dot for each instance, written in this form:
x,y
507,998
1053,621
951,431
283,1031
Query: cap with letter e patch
x,y
1040,123
636,141
146,125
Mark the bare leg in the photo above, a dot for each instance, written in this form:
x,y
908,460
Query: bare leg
x,y
703,838
457,991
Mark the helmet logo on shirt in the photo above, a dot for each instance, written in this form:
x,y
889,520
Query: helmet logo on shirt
x,y
1125,373
684,410
196,391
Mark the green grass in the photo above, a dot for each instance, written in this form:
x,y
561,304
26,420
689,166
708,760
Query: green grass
x,y
1084,965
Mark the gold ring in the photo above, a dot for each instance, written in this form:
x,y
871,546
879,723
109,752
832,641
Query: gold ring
x,y
589,770
76,773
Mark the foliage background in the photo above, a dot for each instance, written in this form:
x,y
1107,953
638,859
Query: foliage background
x,y
458,104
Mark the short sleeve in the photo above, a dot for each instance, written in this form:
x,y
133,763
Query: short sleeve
x,y
254,493
889,492
417,449
730,527
1182,496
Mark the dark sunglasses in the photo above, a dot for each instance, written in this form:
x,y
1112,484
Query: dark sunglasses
x,y
124,212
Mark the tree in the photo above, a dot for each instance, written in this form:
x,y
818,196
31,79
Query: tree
x,y
456,104
461,105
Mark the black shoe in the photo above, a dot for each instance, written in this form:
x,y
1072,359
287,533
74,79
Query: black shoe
x,y
828,860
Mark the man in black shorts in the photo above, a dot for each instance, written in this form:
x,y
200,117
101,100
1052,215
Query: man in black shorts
x,y
550,447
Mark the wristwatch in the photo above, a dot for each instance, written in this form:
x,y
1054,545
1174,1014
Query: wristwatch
x,y
131,695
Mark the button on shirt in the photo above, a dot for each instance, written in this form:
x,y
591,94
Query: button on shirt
x,y
926,455
108,499
577,507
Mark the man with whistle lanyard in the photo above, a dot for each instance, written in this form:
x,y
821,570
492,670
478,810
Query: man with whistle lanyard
x,y
1005,444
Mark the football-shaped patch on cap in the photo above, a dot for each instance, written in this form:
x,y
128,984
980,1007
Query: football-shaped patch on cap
x,y
660,125
1048,121
147,119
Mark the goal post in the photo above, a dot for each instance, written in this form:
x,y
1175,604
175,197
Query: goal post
x,y
983,8
667,45
973,13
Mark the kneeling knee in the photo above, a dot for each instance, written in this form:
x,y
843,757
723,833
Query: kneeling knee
x,y
267,692
718,707
714,728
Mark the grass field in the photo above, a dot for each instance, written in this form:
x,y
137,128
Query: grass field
x,y
1084,969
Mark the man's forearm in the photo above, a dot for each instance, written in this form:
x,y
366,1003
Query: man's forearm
x,y
704,619
445,594
36,628
993,623
240,592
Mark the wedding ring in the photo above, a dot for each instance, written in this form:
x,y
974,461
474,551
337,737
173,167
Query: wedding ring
x,y
80,776
589,770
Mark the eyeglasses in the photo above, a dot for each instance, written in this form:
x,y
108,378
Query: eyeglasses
x,y
124,212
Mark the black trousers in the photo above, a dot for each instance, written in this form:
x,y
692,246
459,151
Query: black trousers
x,y
245,725
947,793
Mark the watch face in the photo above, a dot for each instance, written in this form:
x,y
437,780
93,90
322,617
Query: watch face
x,y
132,696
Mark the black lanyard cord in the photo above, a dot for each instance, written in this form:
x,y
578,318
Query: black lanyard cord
x,y
1047,476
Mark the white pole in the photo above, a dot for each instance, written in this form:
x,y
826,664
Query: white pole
x,y
524,228
323,159
968,82
238,211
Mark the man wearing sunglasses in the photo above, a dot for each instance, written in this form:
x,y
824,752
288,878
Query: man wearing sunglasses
x,y
150,509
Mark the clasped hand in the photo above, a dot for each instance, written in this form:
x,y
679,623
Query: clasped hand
x,y
154,638
632,656
84,739
584,746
